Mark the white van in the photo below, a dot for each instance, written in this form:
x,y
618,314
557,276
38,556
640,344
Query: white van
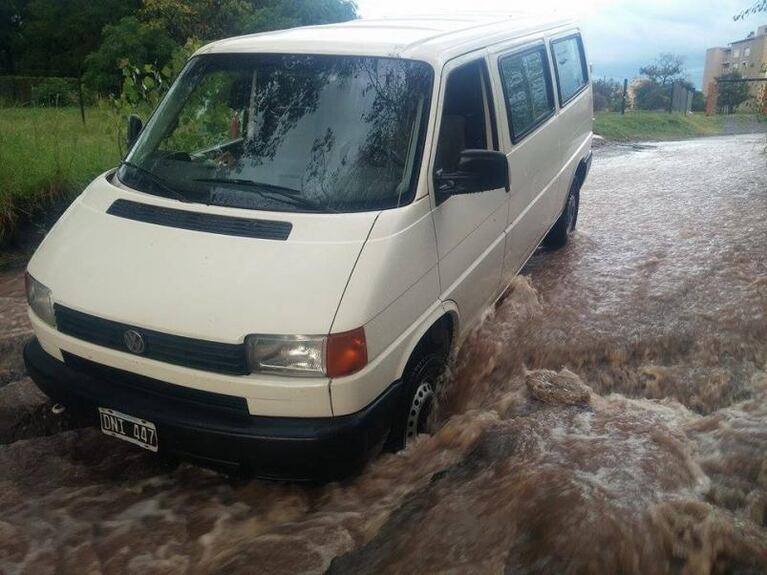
x,y
307,225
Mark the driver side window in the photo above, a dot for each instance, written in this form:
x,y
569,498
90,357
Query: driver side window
x,y
468,121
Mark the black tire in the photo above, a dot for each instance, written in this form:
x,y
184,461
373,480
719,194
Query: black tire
x,y
414,408
565,226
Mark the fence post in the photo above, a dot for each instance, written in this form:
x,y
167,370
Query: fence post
x,y
80,97
625,90
671,99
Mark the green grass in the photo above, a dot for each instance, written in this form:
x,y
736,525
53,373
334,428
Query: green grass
x,y
47,154
655,125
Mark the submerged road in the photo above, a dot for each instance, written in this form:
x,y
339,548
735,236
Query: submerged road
x,y
609,416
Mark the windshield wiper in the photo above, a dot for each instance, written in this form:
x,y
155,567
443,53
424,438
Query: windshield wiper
x,y
160,182
279,193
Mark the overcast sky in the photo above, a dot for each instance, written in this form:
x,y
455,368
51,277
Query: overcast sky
x,y
622,35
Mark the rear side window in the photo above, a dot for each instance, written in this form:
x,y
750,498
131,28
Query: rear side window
x,y
527,90
570,64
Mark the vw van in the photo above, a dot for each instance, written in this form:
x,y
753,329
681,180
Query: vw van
x,y
312,219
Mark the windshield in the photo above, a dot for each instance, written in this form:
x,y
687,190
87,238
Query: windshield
x,y
287,133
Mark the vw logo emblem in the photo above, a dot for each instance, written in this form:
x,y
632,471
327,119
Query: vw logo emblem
x,y
134,341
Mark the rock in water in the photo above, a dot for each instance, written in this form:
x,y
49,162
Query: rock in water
x,y
563,388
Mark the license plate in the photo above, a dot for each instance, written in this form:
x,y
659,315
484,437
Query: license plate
x,y
128,428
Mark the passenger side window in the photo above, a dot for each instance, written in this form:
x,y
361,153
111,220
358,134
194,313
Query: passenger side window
x,y
527,89
570,64
468,122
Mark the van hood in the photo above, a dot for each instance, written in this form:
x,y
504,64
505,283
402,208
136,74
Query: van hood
x,y
196,283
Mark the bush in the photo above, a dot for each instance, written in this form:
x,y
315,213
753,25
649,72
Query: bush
x,y
732,92
608,95
698,102
55,92
24,90
652,96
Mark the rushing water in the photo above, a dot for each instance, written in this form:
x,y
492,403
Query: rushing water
x,y
610,415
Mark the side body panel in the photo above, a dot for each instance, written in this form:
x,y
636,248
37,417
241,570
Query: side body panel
x,y
542,163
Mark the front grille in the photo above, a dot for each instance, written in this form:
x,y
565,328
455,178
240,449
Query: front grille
x,y
200,221
134,385
194,353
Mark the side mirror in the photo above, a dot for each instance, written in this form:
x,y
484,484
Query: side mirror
x,y
135,125
478,171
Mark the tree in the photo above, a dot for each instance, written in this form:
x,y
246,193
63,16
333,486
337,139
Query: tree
x,y
161,27
203,19
731,93
10,22
667,67
277,14
129,40
214,19
760,6
56,36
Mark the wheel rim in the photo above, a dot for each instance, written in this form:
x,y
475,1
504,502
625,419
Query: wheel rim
x,y
572,212
420,409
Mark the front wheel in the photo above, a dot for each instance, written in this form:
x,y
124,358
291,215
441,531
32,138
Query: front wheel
x,y
565,226
412,416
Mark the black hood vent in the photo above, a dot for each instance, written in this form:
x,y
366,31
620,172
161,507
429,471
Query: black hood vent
x,y
201,222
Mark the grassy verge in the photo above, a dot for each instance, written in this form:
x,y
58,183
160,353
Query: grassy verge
x,y
47,154
655,126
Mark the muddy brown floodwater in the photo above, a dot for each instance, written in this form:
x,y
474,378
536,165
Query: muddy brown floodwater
x,y
609,416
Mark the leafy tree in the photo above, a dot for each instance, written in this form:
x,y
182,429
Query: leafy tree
x,y
161,26
278,14
11,12
129,40
205,19
667,67
214,19
56,36
731,92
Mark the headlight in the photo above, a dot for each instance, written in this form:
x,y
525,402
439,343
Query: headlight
x,y
336,355
289,355
40,300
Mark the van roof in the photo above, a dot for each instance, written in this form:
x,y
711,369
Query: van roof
x,y
434,39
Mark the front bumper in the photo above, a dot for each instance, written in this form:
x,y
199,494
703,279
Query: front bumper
x,y
216,430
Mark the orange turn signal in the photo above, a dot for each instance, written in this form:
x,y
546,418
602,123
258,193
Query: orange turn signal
x,y
346,352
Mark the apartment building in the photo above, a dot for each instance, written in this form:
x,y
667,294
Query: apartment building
x,y
747,56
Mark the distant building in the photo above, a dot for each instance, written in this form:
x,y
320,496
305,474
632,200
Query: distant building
x,y
747,56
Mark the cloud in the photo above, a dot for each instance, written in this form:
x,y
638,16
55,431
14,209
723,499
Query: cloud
x,y
622,35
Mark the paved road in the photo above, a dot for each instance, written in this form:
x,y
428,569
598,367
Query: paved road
x,y
611,415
